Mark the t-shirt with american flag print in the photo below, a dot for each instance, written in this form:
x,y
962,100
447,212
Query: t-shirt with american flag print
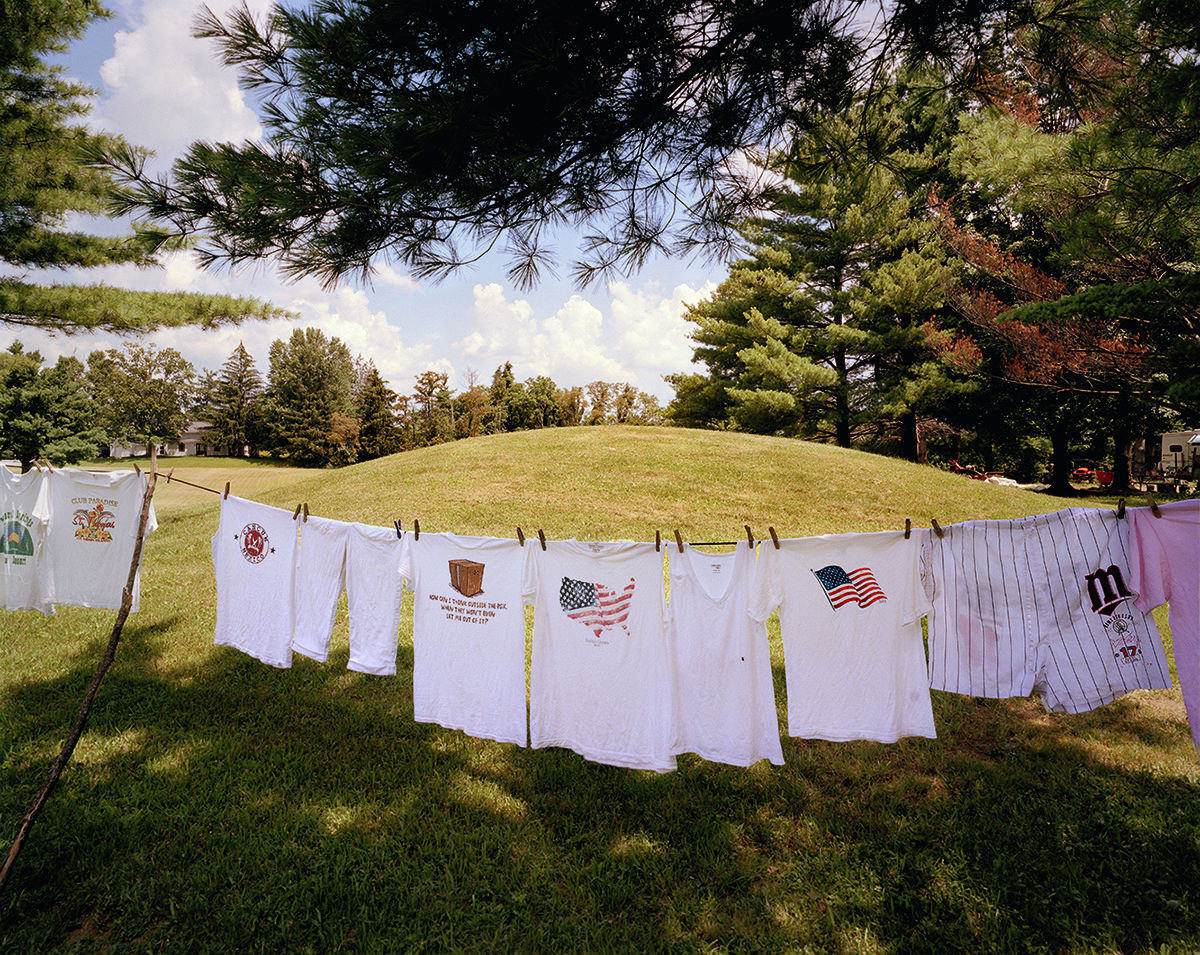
x,y
850,607
600,682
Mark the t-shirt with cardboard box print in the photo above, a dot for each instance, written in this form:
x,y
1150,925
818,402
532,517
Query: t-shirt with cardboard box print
x,y
850,608
722,659
94,519
25,580
254,557
600,681
468,633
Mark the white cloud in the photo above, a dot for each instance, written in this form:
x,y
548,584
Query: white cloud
x,y
163,89
643,337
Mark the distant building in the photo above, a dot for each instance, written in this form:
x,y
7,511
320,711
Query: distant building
x,y
192,442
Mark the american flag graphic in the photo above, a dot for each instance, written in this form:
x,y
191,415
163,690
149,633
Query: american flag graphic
x,y
858,586
596,606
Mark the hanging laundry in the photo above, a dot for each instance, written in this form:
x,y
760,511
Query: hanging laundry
x,y
850,609
94,519
320,579
254,558
1039,604
1164,557
374,591
25,574
468,634
722,659
600,682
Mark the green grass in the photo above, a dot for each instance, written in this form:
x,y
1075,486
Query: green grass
x,y
218,805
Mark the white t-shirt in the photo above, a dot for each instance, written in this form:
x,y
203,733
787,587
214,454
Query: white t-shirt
x,y
600,682
374,591
320,579
25,574
722,659
254,558
468,634
94,518
850,607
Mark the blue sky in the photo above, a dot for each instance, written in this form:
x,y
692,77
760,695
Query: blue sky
x,y
162,89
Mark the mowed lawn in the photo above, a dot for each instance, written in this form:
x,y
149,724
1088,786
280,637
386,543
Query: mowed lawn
x,y
216,804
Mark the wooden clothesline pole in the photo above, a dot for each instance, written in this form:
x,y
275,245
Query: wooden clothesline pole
x,y
85,707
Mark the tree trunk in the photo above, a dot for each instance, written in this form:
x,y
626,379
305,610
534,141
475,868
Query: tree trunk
x,y
842,401
1060,479
910,438
1122,457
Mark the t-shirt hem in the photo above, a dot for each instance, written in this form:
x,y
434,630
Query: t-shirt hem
x,y
621,760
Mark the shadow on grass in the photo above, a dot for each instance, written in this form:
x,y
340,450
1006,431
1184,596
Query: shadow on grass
x,y
234,807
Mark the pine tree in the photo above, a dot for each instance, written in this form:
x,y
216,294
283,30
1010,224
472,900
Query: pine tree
x,y
237,417
823,331
378,434
309,400
48,177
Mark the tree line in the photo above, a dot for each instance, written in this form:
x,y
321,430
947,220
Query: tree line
x,y
316,406
952,269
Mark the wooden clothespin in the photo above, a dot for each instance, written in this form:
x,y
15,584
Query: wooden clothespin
x,y
936,527
306,512
1153,505
749,536
774,537
416,529
678,540
657,542
907,528
1121,509
520,535
137,469
227,489
296,512
399,528
169,473
542,538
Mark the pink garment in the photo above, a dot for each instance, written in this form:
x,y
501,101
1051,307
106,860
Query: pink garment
x,y
1165,554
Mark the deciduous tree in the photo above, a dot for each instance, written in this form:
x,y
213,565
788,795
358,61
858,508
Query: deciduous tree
x,y
309,399
142,393
45,412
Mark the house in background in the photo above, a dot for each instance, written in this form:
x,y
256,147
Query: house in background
x,y
192,442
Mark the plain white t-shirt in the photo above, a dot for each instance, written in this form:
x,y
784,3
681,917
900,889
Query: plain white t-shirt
x,y
374,591
320,579
722,659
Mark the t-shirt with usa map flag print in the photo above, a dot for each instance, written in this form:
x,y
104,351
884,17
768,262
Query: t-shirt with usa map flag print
x,y
850,609
600,683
